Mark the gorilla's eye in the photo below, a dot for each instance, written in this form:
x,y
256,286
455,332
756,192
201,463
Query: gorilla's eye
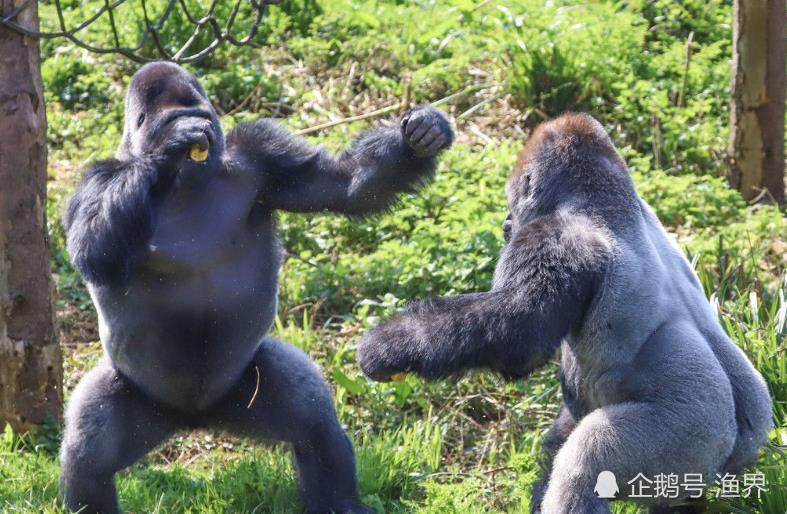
x,y
189,100
141,119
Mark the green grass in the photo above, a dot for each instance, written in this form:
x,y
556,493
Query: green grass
x,y
469,445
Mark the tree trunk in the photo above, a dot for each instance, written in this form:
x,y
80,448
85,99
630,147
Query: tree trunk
x,y
756,150
30,359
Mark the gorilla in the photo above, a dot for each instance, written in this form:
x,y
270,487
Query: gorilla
x,y
650,382
175,240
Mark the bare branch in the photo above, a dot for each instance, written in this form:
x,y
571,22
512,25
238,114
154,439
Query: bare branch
x,y
222,32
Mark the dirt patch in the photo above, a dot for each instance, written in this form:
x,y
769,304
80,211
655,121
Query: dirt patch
x,y
75,325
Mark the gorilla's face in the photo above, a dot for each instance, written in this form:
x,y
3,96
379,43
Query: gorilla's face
x,y
164,99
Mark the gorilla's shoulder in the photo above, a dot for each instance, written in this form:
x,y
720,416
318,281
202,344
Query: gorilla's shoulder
x,y
94,180
568,241
267,142
261,127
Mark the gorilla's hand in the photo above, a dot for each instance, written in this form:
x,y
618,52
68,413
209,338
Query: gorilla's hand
x,y
174,144
385,350
427,131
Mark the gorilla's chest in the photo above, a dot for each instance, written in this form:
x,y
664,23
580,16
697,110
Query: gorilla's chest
x,y
198,303
185,339
199,230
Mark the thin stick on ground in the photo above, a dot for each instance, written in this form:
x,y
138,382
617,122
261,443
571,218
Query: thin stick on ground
x,y
256,388
481,105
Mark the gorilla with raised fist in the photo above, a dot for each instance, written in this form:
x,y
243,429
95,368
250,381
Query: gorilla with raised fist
x,y
175,239
651,383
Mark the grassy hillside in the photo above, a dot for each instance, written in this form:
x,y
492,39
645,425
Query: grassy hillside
x,y
655,72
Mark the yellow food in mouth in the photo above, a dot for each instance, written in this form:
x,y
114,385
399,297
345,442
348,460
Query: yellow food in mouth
x,y
198,154
398,377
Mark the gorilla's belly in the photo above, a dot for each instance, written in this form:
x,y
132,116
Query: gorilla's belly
x,y
186,342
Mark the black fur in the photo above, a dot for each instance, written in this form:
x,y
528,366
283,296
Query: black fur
x,y
115,219
365,178
181,260
651,383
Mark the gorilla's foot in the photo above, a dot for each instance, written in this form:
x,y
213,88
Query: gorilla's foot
x,y
89,494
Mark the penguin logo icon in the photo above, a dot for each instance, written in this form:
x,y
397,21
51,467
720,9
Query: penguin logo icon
x,y
606,485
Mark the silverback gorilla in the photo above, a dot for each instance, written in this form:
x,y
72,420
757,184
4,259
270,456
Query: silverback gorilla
x,y
651,384
175,239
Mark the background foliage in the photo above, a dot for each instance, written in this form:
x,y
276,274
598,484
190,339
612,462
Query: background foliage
x,y
655,72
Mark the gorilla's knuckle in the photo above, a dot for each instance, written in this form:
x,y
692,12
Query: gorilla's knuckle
x,y
374,358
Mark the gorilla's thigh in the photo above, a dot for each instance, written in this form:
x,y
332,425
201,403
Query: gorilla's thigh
x,y
280,396
109,425
628,439
283,396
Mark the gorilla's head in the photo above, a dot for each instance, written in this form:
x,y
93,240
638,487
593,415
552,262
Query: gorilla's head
x,y
568,163
161,96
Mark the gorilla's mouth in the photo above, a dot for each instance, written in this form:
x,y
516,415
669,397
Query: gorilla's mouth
x,y
200,150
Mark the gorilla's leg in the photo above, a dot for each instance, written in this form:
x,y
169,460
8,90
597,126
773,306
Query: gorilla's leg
x,y
282,396
109,425
628,439
555,437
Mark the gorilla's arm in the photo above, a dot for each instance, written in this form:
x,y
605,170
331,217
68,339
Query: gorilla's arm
x,y
363,179
544,283
445,336
110,218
